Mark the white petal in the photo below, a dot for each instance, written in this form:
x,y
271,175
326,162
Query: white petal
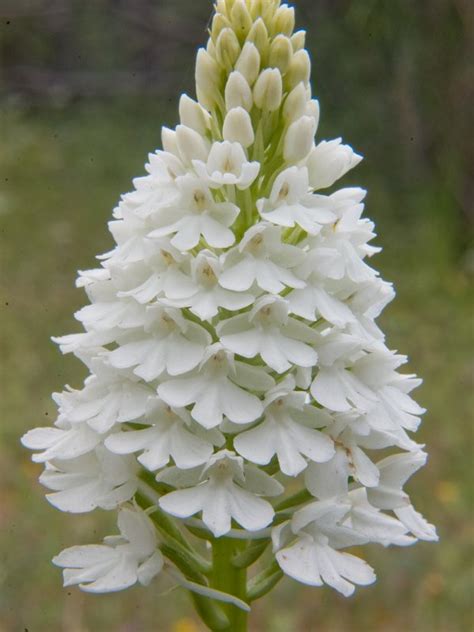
x,y
328,390
216,235
256,444
250,512
184,502
415,522
238,405
181,392
150,568
239,277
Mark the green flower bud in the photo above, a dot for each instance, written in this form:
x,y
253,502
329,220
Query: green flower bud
x,y
221,7
238,127
283,21
268,90
241,20
227,48
219,23
281,53
296,103
299,139
248,63
207,79
298,40
299,70
168,141
191,145
258,35
193,115
238,92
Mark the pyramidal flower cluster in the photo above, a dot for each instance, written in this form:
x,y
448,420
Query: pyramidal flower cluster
x,y
239,385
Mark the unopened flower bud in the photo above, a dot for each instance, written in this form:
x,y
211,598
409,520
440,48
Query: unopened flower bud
x,y
298,40
207,78
329,161
227,48
268,90
238,127
221,7
191,145
281,53
193,115
249,62
168,141
298,70
241,19
283,21
219,23
238,92
229,4
296,103
257,8
258,35
312,109
299,139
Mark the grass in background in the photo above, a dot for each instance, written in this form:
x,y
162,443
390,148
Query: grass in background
x,y
60,175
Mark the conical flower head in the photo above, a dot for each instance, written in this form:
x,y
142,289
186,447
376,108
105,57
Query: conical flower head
x,y
231,337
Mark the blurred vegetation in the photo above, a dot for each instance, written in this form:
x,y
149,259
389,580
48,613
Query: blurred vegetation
x,y
84,89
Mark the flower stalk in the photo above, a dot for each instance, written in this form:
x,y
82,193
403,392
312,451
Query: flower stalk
x,y
229,578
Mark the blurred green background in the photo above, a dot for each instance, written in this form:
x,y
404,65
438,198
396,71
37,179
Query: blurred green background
x,y
84,87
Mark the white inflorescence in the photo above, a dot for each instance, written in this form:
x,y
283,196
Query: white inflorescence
x,y
231,339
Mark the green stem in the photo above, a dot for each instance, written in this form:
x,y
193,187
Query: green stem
x,y
230,579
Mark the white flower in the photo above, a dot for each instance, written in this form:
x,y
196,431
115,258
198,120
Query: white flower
x,y
105,400
222,386
170,435
416,523
228,490
329,161
153,191
227,164
164,275
261,258
106,315
118,563
196,215
373,524
97,479
290,203
268,331
313,301
174,345
313,557
61,443
287,430
395,470
336,385
205,295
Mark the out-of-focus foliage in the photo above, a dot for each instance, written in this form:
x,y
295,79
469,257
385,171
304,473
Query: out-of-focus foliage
x,y
85,86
